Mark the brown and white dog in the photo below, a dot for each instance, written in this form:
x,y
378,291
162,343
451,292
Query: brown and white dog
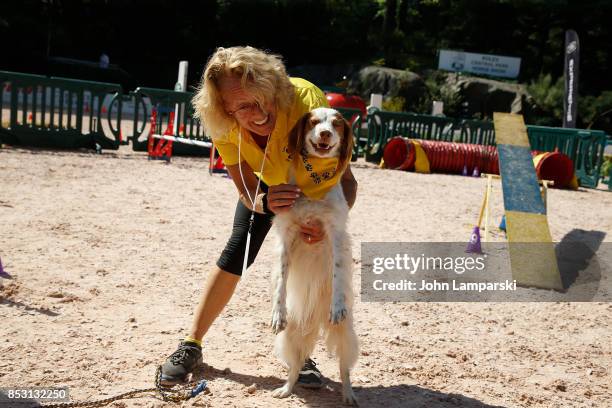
x,y
312,288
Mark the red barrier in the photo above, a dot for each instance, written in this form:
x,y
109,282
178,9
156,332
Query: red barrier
x,y
160,148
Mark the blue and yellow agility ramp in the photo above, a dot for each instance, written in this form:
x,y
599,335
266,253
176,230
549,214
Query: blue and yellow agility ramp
x,y
532,253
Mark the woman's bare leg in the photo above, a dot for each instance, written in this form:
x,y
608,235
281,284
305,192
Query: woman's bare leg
x,y
218,290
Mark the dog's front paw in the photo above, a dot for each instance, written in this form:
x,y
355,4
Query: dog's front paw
x,y
279,320
348,397
337,314
282,392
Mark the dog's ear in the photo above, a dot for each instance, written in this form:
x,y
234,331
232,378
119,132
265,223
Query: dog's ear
x,y
296,136
346,145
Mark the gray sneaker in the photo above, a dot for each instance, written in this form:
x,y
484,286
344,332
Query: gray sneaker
x,y
183,361
310,376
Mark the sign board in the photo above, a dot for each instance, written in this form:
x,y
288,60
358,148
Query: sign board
x,y
483,64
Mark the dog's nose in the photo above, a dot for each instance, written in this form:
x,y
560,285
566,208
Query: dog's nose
x,y
325,135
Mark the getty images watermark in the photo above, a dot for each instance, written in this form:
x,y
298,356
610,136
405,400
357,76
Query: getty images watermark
x,y
439,272
412,264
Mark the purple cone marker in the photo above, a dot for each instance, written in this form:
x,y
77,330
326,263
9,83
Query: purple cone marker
x,y
474,244
4,274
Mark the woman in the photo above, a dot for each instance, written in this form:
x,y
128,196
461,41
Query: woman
x,y
248,105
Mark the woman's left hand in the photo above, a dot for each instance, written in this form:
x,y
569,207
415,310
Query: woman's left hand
x,y
312,231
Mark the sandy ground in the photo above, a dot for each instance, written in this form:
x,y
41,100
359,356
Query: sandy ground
x,y
109,252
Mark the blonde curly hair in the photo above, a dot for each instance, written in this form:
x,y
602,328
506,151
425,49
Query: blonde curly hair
x,y
262,74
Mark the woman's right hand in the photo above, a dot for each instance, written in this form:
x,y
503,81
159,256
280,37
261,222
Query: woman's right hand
x,y
282,197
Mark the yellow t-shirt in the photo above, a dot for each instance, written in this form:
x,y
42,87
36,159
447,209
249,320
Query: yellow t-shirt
x,y
276,166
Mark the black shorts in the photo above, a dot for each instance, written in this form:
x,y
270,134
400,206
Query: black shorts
x,y
232,257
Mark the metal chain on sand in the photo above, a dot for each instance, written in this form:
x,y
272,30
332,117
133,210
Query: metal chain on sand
x,y
167,395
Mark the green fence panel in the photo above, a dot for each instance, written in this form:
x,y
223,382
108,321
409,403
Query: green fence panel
x,y
382,126
59,112
584,147
165,101
590,155
548,139
475,132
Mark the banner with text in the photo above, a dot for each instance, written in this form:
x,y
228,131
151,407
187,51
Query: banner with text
x,y
570,72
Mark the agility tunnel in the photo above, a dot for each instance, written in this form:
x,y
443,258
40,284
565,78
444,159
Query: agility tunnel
x,y
429,156
557,167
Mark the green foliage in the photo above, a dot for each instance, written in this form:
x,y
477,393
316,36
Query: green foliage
x,y
439,90
548,97
596,111
396,104
606,167
436,89
403,34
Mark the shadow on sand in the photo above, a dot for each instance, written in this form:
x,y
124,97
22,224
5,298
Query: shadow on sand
x,y
401,395
578,261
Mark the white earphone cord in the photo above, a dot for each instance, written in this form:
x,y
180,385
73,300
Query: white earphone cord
x,y
252,200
